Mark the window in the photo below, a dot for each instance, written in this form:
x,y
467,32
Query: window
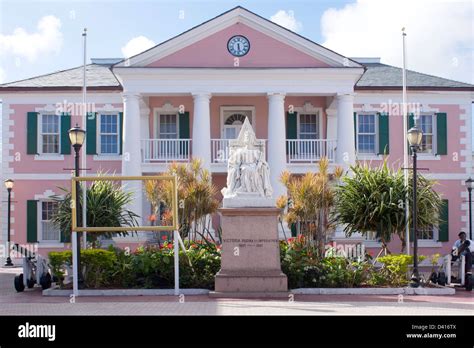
x,y
109,134
426,233
366,134
309,126
371,236
233,124
49,232
168,126
427,126
49,134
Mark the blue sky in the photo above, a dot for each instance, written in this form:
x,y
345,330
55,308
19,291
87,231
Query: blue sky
x,y
38,37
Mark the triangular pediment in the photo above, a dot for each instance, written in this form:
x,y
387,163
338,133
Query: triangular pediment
x,y
271,45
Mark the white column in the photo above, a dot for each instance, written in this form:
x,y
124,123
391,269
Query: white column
x,y
345,152
201,138
131,154
276,146
144,119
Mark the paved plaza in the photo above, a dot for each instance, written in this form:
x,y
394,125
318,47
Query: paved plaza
x,y
31,302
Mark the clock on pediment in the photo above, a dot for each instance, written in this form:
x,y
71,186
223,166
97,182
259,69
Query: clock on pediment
x,y
238,45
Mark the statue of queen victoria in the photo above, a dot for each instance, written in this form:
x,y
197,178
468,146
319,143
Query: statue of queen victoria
x,y
248,174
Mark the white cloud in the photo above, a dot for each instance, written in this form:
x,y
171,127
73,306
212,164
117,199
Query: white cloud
x,y
136,45
47,39
439,34
287,20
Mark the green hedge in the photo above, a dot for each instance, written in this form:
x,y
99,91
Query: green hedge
x,y
153,267
150,267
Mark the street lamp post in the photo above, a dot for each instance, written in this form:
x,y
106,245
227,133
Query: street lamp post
x,y
414,136
9,185
469,184
77,136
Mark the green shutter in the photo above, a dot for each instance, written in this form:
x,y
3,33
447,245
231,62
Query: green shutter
x,y
65,127
355,131
293,229
412,237
32,133
411,120
65,237
184,132
31,221
443,227
411,124
441,134
291,128
91,133
120,120
384,137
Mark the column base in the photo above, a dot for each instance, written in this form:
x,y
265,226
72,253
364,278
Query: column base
x,y
245,281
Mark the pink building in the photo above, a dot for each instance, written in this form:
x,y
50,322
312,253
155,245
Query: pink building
x,y
188,95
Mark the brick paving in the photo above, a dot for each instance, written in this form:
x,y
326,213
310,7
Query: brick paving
x,y
31,302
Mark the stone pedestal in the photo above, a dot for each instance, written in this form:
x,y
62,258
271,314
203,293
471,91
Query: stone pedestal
x,y
250,253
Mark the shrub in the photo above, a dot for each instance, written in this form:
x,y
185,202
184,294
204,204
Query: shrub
x,y
147,267
304,268
58,262
96,265
394,271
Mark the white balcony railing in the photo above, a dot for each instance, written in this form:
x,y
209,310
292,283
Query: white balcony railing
x,y
310,150
298,150
166,150
220,150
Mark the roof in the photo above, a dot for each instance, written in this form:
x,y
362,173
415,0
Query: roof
x,y
382,76
99,77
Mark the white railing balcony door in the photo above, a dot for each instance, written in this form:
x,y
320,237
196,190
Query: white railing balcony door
x,y
220,150
310,150
166,150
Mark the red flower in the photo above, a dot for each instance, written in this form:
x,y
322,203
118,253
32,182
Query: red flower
x,y
164,237
152,217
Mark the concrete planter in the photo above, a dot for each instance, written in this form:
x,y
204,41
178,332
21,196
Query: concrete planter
x,y
374,291
124,292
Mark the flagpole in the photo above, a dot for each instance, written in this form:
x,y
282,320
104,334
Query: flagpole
x,y
84,125
405,143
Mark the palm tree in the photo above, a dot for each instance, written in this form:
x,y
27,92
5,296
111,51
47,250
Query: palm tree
x,y
196,198
373,200
106,207
310,200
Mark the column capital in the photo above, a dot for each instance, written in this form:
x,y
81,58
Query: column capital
x,y
201,95
127,96
331,112
345,96
276,95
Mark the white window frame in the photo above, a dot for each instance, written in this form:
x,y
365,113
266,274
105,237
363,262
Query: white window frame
x,y
45,196
376,125
40,224
308,108
235,109
434,150
119,134
318,121
157,130
435,236
39,143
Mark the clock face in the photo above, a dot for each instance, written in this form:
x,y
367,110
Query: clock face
x,y
238,45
